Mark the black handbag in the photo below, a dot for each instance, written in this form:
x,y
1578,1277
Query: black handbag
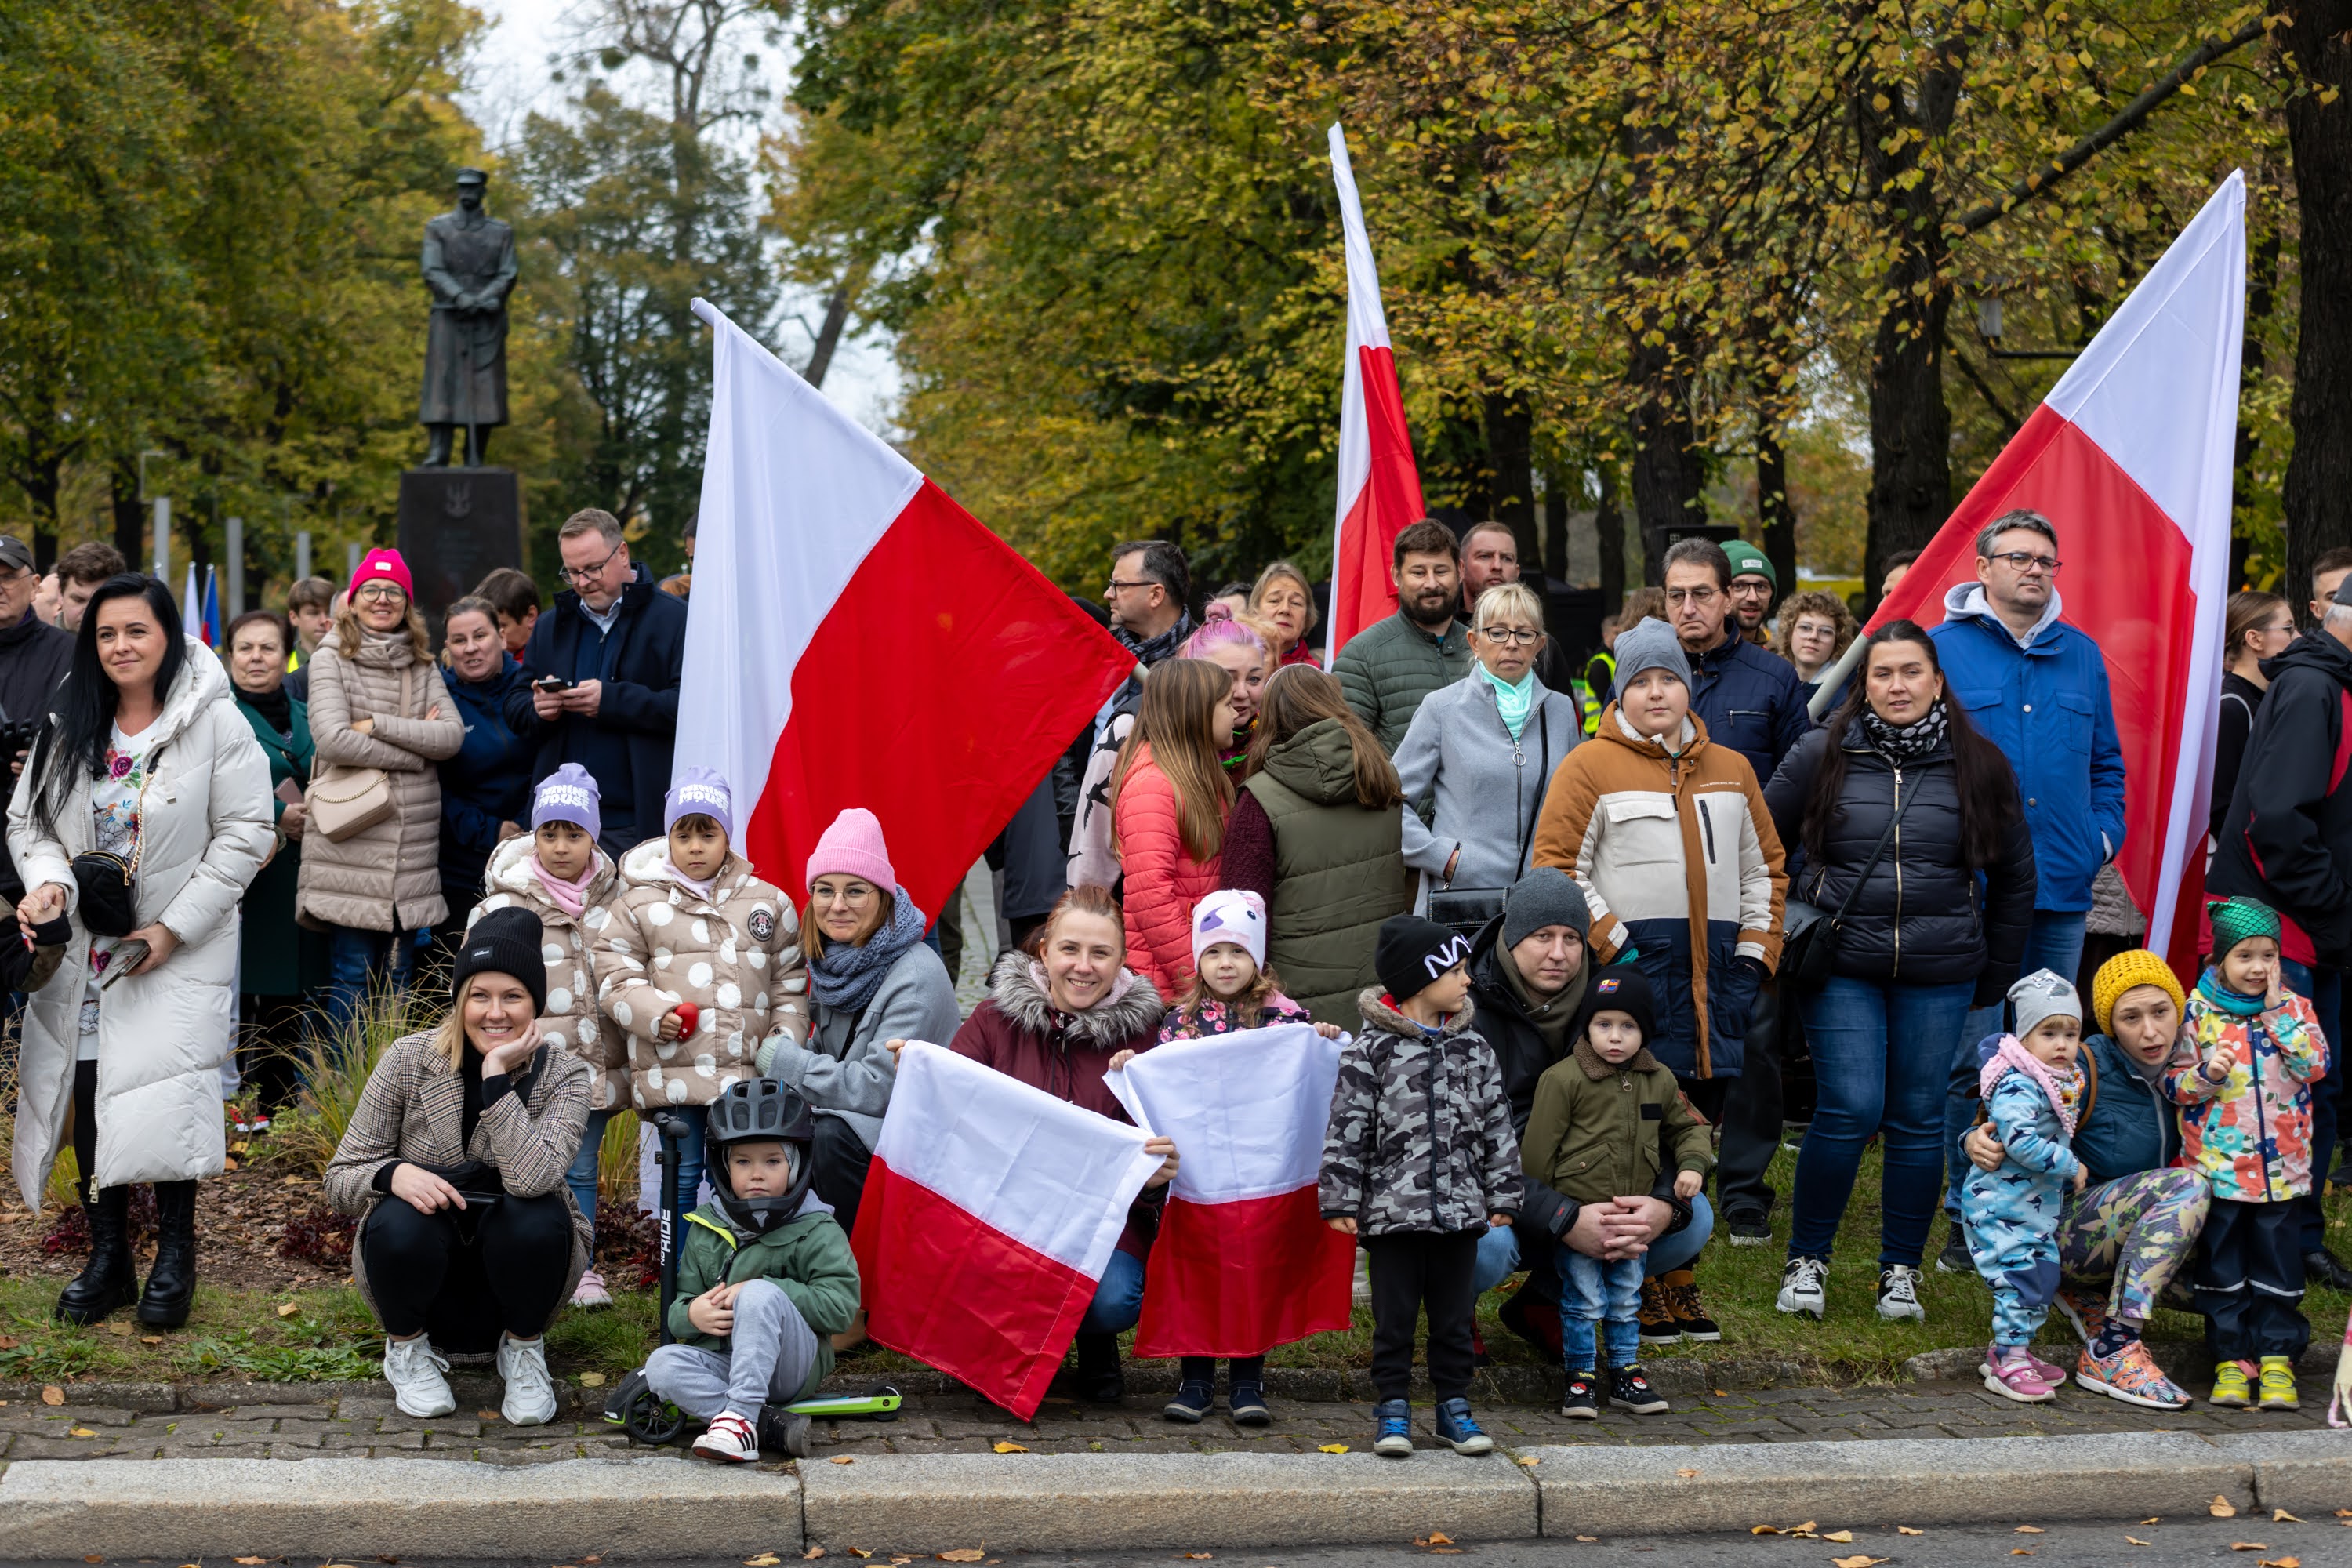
x,y
1468,909
107,885
1808,952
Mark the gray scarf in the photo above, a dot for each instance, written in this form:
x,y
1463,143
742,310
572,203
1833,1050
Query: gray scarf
x,y
844,978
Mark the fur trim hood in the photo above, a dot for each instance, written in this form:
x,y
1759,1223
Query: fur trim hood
x,y
1380,1014
1017,986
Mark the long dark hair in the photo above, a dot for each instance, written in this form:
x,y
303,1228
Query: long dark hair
x,y
87,700
1981,775
1299,695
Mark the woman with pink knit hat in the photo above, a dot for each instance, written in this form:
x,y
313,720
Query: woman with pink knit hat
x,y
871,979
376,701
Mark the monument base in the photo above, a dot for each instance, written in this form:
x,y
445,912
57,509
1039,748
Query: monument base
x,y
456,527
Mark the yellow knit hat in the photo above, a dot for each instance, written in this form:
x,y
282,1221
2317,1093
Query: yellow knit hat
x,y
2126,970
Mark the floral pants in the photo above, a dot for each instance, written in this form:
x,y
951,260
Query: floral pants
x,y
2135,1234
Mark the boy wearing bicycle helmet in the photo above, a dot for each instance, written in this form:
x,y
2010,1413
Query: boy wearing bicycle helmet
x,y
765,1279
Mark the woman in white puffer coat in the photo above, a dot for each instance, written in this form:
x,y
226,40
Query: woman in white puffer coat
x,y
146,758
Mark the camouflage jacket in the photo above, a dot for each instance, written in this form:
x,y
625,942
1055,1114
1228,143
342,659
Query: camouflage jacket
x,y
1420,1137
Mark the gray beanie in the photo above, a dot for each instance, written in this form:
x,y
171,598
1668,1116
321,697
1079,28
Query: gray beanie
x,y
2040,995
1546,896
1650,644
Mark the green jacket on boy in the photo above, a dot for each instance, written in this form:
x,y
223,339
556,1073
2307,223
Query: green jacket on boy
x,y
807,1256
1593,1134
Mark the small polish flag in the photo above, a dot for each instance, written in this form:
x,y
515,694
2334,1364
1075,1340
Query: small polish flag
x,y
857,638
1244,1261
1380,488
989,1213
2131,455
200,615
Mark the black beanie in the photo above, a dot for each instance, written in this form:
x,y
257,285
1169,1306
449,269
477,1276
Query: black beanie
x,y
504,942
1620,988
1413,951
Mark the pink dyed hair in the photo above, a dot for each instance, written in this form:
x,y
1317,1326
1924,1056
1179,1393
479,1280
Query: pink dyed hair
x,y
1220,629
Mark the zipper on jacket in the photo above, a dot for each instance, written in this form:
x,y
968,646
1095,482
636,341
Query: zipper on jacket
x,y
1707,827
2262,1111
1896,969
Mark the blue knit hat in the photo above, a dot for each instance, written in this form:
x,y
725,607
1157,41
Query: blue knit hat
x,y
568,795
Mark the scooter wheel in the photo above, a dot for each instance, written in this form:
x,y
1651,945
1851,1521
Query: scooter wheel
x,y
652,1420
890,1391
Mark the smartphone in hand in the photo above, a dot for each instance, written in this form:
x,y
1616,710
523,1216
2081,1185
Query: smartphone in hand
x,y
128,956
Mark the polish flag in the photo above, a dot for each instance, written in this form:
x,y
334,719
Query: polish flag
x,y
857,638
1244,1261
2130,455
989,1216
1379,489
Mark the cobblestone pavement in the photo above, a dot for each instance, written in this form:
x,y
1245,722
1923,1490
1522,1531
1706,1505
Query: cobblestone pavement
x,y
942,1424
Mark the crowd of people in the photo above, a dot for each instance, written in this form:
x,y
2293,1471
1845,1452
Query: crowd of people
x,y
1572,920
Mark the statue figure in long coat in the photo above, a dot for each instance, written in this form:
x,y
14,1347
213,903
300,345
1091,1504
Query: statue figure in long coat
x,y
470,267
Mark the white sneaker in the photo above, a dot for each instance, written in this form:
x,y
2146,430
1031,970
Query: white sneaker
x,y
591,1291
729,1440
530,1391
1899,1293
1800,1285
417,1374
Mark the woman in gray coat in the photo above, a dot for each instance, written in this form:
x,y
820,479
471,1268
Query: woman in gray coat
x,y
1481,751
872,979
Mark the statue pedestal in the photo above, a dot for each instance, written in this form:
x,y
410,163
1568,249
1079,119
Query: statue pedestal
x,y
456,526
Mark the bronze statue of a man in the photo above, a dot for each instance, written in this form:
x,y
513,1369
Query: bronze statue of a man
x,y
470,265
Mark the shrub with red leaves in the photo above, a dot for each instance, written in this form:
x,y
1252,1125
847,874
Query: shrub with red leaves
x,y
628,1245
317,1234
71,1231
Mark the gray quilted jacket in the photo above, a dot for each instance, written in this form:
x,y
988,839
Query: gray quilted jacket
x,y
1420,1137
1389,666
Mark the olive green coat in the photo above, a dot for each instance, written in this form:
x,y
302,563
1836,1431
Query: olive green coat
x,y
1339,871
1389,666
1596,1130
807,1256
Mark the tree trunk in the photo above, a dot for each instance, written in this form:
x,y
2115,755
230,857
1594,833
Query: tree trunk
x,y
1555,526
1774,511
130,516
836,319
1608,522
1508,434
1667,474
2262,299
2317,494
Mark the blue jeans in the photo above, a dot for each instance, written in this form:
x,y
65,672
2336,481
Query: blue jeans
x,y
1119,1296
581,1177
2054,941
1500,1251
1880,1066
2324,989
358,959
1599,1299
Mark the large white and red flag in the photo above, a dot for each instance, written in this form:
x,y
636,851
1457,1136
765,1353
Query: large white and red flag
x,y
1380,488
989,1215
857,638
1244,1261
2131,455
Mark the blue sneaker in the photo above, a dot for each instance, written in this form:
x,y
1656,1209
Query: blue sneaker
x,y
1395,1441
1459,1430
1192,1401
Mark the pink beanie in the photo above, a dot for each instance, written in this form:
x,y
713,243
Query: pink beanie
x,y
853,847
380,563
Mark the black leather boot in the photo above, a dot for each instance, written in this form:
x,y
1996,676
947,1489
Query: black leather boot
x,y
1100,1381
172,1284
110,1279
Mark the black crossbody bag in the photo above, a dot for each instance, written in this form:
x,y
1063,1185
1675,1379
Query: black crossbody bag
x,y
1809,951
1468,909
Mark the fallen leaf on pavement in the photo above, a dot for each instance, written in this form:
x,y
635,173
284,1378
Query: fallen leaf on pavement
x,y
765,1560
1859,1560
2281,1515
1805,1529
962,1554
486,1415
591,1380
1011,1448
1766,1529
2155,1518
1720,1394
2135,1540
150,1339
2280,1563
1434,1538
81,1432
1587,1538
845,1459
289,1310
93,1557
1532,1460
2030,1530
813,1553
1906,1530
253,1561
1686,1474
2222,1508
1842,1537
7,1342
1332,1448
1198,1556
2249,1546
2021,1551
53,1395
860,1552
119,1329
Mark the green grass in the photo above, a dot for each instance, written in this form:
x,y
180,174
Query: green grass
x,y
239,1335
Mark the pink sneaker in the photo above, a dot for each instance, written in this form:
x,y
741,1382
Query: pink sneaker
x,y
2013,1374
591,1291
2052,1373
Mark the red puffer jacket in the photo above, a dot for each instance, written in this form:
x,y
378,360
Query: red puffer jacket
x,y
1161,882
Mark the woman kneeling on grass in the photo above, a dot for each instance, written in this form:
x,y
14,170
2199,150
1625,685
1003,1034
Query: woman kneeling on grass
x,y
469,1127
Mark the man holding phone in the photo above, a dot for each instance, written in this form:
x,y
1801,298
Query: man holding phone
x,y
602,667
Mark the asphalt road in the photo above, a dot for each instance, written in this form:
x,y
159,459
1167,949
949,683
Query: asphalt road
x,y
2313,1543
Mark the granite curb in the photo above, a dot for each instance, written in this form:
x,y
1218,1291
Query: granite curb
x,y
635,1506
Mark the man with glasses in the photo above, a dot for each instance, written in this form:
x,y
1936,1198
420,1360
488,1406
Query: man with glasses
x,y
1490,557
1754,585
600,680
2036,688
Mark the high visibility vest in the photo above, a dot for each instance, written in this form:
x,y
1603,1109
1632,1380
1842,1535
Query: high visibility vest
x,y
1593,701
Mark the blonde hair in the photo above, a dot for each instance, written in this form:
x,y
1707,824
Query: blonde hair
x,y
813,938
1174,720
349,634
1279,570
1246,1006
449,1039
1506,601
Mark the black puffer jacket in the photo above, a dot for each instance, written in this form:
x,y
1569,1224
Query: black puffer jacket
x,y
2287,840
1920,918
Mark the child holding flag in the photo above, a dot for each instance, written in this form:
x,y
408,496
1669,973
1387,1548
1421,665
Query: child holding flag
x,y
1420,1159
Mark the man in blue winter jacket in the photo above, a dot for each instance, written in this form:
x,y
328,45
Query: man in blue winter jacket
x,y
2037,688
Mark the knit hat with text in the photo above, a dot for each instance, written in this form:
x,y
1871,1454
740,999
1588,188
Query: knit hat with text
x,y
1413,951
700,792
568,795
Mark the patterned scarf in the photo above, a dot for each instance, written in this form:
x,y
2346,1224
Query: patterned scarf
x,y
2063,1087
1908,742
845,977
